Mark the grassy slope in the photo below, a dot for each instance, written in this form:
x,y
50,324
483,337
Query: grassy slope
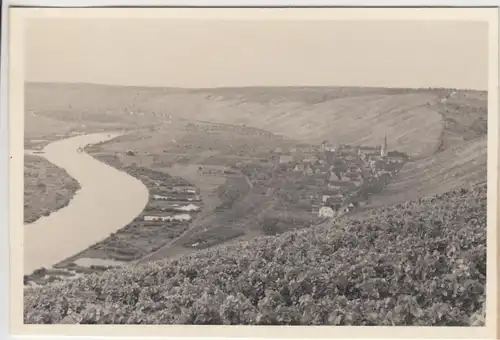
x,y
47,188
357,119
454,168
461,159
347,115
418,263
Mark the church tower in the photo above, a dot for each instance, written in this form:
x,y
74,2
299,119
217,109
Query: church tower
x,y
383,148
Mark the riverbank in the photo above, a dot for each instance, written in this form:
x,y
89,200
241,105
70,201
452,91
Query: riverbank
x,y
47,188
159,222
107,201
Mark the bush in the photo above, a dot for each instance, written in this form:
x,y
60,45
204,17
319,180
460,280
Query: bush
x,y
419,263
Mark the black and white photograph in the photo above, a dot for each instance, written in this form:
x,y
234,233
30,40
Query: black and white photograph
x,y
262,169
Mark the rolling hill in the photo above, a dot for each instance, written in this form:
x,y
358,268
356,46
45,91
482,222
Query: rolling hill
x,y
422,123
347,115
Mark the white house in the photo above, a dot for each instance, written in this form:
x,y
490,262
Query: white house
x,y
180,217
189,207
327,147
160,198
153,218
326,212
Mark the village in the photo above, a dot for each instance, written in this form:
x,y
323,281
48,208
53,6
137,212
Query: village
x,y
326,181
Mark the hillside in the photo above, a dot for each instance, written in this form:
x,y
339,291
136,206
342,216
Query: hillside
x,y
460,166
418,263
460,159
418,122
337,114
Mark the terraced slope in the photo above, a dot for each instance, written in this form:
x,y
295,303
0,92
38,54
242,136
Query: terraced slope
x,y
457,167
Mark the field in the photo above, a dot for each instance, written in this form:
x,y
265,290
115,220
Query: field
x,y
418,263
47,188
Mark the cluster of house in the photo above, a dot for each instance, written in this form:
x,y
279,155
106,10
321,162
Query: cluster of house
x,y
178,217
376,165
341,171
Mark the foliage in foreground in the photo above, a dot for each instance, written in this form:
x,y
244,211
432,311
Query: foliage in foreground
x,y
419,263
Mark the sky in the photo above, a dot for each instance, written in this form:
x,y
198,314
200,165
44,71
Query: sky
x,y
216,53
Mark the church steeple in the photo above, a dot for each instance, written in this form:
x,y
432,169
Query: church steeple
x,y
383,148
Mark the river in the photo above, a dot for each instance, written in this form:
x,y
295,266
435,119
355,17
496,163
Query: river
x,y
107,201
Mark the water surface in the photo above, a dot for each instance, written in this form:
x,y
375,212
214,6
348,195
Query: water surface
x,y
107,201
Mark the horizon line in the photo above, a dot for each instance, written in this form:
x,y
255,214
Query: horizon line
x,y
26,82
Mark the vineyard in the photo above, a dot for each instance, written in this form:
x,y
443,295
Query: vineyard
x,y
419,263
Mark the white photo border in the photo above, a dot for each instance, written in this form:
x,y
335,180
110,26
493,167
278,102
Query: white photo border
x,y
5,136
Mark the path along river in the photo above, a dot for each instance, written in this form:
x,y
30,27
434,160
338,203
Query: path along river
x,y
107,201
